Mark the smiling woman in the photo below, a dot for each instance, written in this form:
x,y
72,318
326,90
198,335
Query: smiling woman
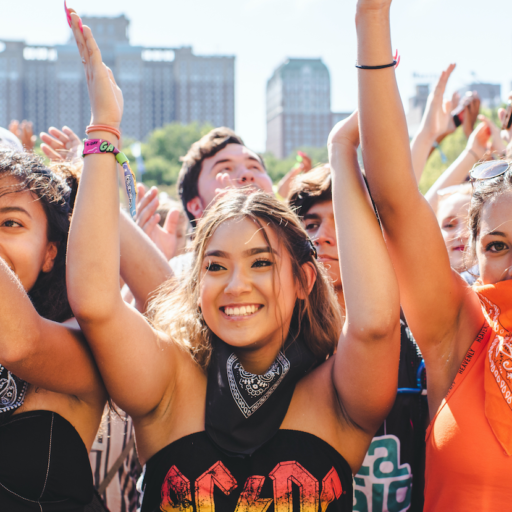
x,y
261,234
242,382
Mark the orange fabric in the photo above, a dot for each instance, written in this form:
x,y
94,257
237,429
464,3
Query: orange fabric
x,y
497,306
467,467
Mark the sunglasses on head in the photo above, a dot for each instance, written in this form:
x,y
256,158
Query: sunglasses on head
x,y
488,170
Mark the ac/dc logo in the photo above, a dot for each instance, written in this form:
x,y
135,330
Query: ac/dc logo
x,y
283,475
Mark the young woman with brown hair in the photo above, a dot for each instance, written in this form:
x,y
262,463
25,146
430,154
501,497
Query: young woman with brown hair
x,y
236,396
463,332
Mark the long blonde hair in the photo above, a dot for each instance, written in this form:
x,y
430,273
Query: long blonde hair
x,y
175,309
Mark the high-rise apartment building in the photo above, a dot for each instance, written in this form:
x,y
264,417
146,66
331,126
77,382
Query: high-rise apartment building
x,y
47,86
298,106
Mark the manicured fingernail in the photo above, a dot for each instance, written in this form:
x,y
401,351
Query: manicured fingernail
x,y
68,16
80,26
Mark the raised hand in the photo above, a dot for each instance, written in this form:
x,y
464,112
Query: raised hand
x,y
471,113
166,237
345,132
25,132
60,145
105,96
437,119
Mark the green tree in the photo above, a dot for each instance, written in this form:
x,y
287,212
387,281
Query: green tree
x,y
164,147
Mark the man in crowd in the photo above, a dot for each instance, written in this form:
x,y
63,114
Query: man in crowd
x,y
219,160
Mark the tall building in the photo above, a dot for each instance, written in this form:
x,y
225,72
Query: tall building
x,y
298,106
47,86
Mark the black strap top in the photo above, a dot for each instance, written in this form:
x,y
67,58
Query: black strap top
x,y
294,471
44,465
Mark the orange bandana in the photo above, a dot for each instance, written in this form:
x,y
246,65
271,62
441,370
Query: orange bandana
x,y
496,302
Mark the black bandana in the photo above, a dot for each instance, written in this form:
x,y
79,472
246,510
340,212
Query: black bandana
x,y
12,391
243,410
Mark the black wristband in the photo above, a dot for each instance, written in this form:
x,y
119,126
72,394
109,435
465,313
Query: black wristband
x,y
377,67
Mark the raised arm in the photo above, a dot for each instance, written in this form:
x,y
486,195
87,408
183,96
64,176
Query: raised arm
x,y
143,266
371,333
432,295
473,152
44,353
436,122
134,360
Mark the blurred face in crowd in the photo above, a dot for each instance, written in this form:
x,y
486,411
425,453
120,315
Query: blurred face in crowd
x,y
235,166
24,246
319,224
452,215
494,242
248,291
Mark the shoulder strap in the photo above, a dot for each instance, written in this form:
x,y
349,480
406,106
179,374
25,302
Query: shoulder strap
x,y
115,467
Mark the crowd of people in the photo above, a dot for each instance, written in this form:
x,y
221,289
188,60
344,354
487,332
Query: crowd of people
x,y
336,341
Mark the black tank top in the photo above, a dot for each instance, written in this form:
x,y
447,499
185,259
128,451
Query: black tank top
x,y
294,471
44,465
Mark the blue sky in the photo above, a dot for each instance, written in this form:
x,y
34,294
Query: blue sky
x,y
429,34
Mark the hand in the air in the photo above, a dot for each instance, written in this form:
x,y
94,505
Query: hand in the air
x,y
345,132
60,145
105,96
437,119
25,132
166,237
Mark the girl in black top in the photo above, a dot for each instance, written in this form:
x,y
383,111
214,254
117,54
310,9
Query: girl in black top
x,y
237,399
51,394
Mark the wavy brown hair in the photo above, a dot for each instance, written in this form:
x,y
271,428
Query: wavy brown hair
x,y
317,318
56,189
484,192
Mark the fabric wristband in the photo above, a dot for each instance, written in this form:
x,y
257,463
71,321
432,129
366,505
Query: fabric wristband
x,y
99,146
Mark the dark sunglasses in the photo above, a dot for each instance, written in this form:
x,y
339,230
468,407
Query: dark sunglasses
x,y
488,170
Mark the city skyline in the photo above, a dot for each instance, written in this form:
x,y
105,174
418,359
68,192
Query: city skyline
x,y
46,84
262,34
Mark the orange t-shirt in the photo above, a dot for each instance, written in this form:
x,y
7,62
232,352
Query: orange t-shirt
x,y
466,466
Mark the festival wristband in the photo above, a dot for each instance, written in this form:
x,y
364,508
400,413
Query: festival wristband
x,y
99,146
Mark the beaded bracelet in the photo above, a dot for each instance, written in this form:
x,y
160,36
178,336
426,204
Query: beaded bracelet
x,y
99,146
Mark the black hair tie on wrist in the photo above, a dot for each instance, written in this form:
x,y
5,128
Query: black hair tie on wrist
x,y
394,63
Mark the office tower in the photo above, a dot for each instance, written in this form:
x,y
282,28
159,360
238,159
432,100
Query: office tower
x,y
46,84
298,106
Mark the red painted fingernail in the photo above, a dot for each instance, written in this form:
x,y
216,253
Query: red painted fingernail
x,y
80,26
68,16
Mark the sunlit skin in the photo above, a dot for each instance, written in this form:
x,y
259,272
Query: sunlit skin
x,y
494,242
235,166
241,270
23,234
320,226
452,215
